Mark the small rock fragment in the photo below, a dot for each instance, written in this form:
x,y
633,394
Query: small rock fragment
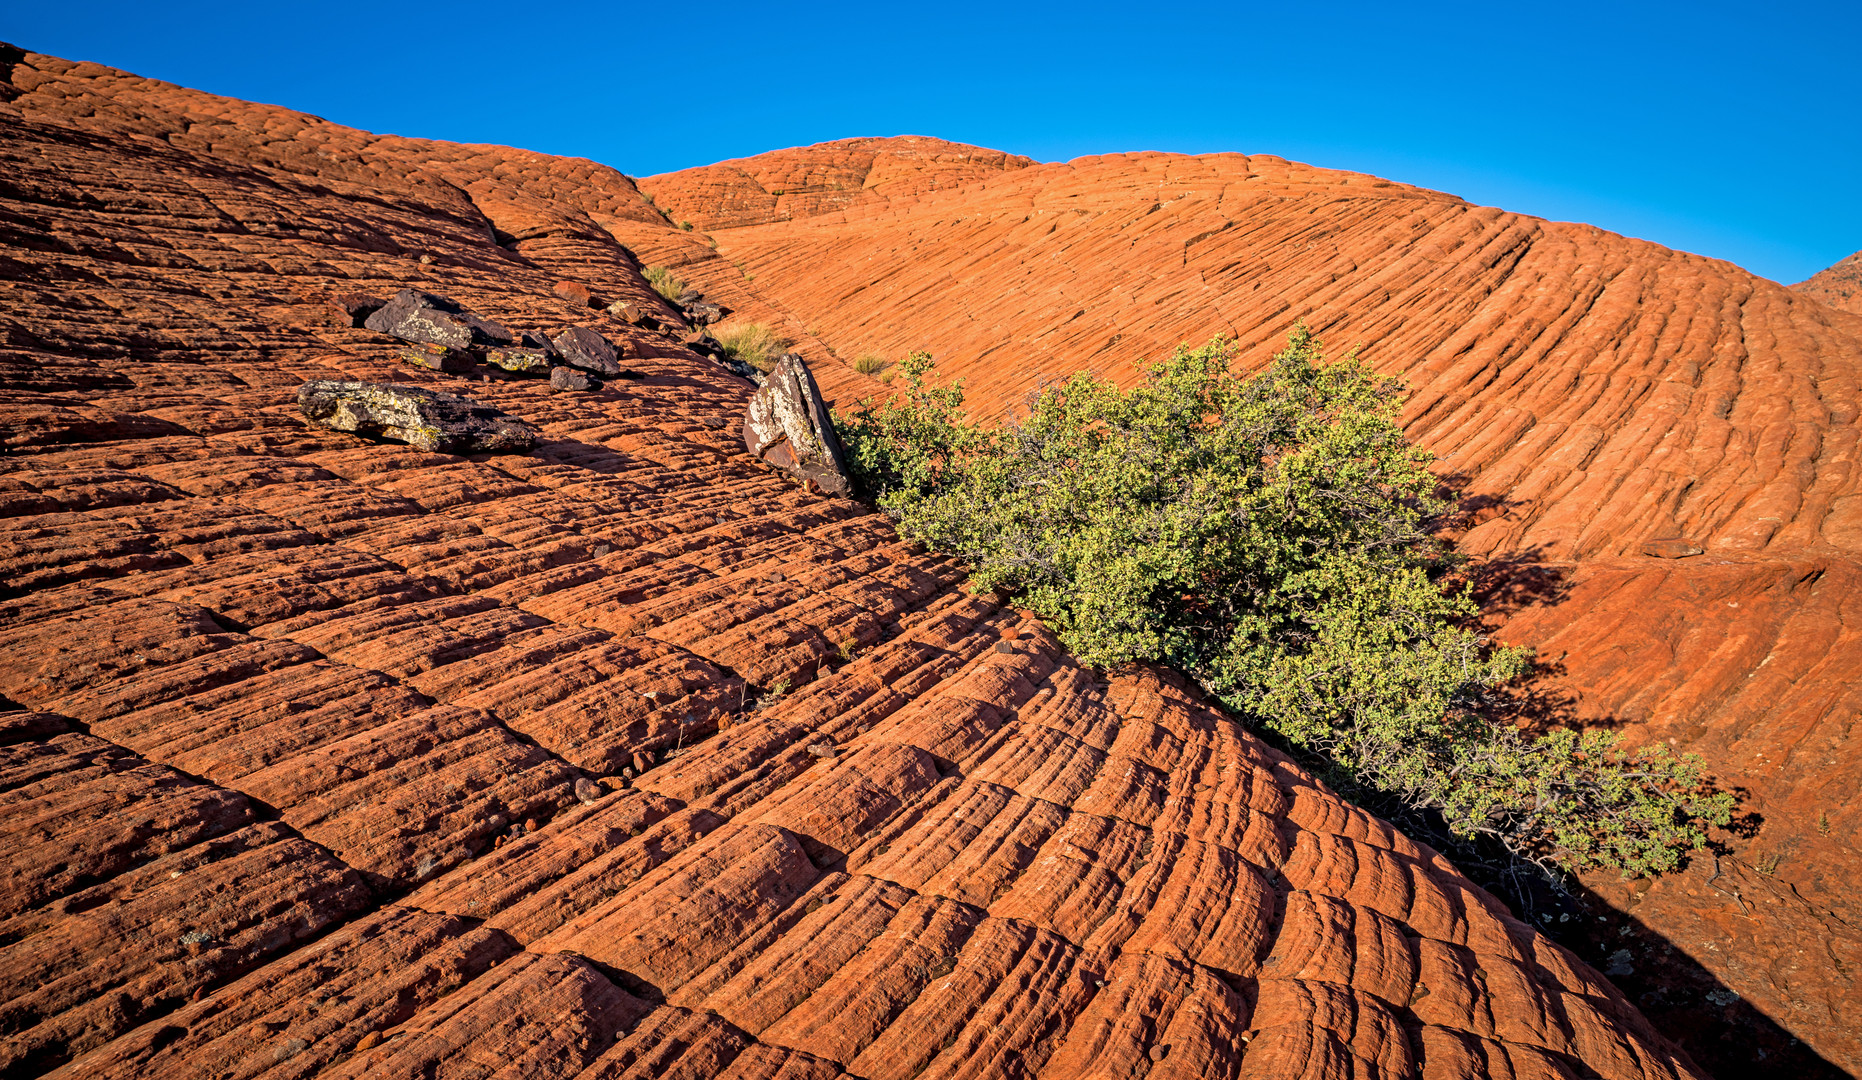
x,y
436,358
568,378
369,1041
578,346
519,359
642,763
587,790
1672,548
575,292
787,425
629,312
823,749
428,419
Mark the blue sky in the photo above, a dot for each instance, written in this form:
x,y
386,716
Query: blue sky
x,y
1732,130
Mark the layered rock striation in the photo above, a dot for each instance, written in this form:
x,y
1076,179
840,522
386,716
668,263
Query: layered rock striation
x,y
806,181
626,756
1656,454
623,756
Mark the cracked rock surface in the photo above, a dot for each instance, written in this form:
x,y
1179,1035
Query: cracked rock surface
x,y
328,758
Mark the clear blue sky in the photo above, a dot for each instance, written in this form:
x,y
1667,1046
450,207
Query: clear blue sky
x,y
1732,130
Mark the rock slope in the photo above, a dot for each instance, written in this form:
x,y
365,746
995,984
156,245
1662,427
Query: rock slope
x,y
1657,453
1839,286
626,757
806,181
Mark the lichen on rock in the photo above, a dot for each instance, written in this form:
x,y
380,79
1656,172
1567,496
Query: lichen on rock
x,y
788,426
428,419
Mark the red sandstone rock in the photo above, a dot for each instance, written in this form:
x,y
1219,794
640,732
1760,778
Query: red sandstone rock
x,y
332,997
1671,549
574,292
1009,866
1587,393
811,180
1839,286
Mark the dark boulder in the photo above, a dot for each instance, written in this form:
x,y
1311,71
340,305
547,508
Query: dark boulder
x,y
787,425
423,317
578,346
428,419
568,378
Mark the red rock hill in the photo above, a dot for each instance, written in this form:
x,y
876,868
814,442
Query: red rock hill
x,y
1600,401
316,750
1839,286
809,180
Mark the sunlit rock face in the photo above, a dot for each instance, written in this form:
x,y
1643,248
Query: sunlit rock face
x,y
630,754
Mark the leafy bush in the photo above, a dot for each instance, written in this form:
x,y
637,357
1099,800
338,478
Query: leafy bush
x,y
1269,535
664,282
869,364
752,343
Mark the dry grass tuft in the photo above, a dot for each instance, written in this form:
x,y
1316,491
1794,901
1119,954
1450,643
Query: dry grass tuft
x,y
753,343
664,282
870,364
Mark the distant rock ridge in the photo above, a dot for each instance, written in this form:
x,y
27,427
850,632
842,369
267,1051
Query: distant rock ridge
x,y
630,756
806,181
1839,286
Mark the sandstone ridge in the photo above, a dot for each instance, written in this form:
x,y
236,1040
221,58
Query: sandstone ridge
x,y
1839,286
1600,402
623,757
805,181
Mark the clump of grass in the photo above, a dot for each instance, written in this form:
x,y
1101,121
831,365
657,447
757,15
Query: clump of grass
x,y
664,282
752,343
686,225
870,364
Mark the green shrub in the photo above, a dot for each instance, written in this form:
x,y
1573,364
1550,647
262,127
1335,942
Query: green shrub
x,y
1269,535
664,282
869,364
752,343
